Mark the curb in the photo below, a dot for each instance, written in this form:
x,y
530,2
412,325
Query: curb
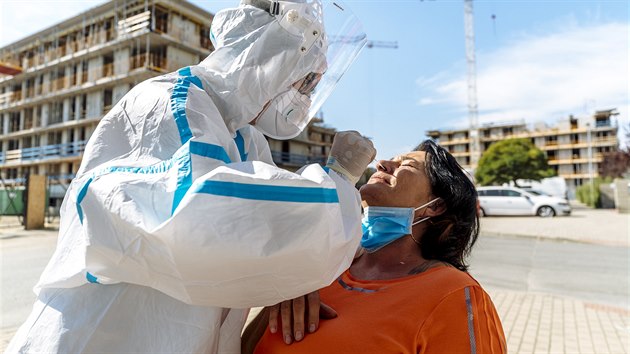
x,y
554,239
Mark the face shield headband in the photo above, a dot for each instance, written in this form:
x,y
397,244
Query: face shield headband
x,y
331,39
384,225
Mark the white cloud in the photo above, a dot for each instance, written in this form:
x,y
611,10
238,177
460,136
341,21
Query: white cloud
x,y
575,70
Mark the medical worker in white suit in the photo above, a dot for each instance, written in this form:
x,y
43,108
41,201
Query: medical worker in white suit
x,y
178,220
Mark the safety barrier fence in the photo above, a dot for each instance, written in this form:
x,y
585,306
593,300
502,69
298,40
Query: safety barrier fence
x,y
76,148
281,158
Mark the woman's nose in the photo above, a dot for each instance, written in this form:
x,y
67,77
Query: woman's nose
x,y
386,166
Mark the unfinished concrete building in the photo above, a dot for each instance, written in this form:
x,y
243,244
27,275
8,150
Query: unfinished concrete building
x,y
59,82
66,77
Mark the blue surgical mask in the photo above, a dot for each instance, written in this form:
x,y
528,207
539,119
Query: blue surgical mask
x,y
384,225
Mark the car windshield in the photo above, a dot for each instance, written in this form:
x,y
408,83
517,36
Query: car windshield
x,y
534,192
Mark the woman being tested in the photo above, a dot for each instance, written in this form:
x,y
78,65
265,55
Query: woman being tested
x,y
178,220
409,291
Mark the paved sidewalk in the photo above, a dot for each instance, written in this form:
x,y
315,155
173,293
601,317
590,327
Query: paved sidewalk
x,y
544,323
601,226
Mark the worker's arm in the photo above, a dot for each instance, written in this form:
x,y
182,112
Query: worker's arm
x,y
195,222
242,235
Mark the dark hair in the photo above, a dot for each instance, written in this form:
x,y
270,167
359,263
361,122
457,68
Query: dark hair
x,y
450,236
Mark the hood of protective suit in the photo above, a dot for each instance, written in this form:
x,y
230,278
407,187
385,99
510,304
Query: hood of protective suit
x,y
254,60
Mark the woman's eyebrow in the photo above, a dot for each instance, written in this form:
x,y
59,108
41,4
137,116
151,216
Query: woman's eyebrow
x,y
402,158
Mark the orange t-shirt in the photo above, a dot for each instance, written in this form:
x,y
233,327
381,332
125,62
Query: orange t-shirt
x,y
442,310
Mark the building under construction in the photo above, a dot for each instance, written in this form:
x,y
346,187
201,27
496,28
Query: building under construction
x,y
57,84
574,147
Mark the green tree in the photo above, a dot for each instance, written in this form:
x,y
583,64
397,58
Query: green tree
x,y
512,159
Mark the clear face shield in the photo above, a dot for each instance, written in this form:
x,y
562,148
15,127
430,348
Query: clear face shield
x,y
328,38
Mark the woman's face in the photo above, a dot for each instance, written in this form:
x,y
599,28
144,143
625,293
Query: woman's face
x,y
400,182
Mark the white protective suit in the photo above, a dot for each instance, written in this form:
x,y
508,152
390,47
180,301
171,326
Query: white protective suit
x,y
178,220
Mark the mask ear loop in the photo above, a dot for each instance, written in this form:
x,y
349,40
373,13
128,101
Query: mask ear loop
x,y
423,219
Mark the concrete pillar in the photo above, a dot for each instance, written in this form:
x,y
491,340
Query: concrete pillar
x,y
118,92
5,124
121,61
21,125
77,107
66,110
80,73
23,89
94,104
46,83
622,196
67,81
45,114
95,69
35,202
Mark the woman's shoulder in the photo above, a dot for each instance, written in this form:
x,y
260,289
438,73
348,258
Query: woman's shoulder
x,y
448,279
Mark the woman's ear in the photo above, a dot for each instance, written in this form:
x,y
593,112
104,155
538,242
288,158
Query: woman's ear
x,y
437,208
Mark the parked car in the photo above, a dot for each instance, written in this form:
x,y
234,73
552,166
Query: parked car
x,y
516,201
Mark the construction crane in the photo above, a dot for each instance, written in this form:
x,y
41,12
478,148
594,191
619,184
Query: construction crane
x,y
382,44
473,108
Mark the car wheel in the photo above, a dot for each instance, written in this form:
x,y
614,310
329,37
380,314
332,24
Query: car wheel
x,y
482,213
546,211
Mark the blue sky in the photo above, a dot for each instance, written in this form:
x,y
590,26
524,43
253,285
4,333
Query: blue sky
x,y
536,61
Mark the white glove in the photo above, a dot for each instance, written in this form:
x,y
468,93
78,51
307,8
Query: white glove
x,y
350,154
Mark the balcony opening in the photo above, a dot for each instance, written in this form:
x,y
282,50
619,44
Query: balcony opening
x,y
61,47
83,111
107,100
56,113
39,85
575,138
54,138
575,153
81,136
108,28
108,65
30,88
27,143
73,107
14,122
204,36
84,72
573,122
28,118
603,118
13,144
161,19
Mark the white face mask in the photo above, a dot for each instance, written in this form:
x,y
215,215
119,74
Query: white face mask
x,y
286,116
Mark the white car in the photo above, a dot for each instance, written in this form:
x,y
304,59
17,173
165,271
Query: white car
x,y
516,201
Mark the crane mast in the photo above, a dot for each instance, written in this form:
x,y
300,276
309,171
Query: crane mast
x,y
473,110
